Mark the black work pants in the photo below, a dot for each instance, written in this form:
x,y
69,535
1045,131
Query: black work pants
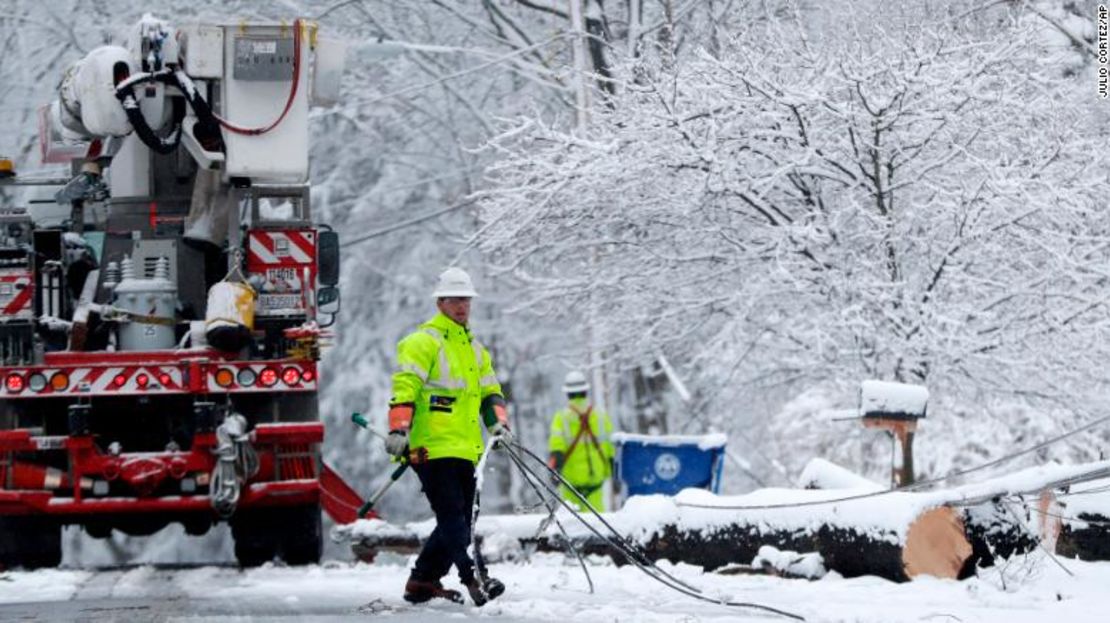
x,y
449,485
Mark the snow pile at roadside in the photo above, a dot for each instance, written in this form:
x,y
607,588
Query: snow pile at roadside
x,y
42,585
790,564
1029,589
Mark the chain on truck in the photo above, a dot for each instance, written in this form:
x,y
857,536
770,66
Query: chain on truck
x,y
159,342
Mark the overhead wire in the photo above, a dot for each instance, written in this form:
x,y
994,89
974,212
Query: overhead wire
x,y
459,74
1092,491
409,223
1037,538
1069,518
551,509
633,554
475,510
639,555
907,488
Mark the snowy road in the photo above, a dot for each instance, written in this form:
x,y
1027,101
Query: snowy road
x,y
1028,589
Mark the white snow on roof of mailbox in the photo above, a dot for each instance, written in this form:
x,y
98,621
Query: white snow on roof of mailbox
x,y
879,398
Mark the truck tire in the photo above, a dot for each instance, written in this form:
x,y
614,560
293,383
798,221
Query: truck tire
x,y
296,533
30,542
302,539
255,538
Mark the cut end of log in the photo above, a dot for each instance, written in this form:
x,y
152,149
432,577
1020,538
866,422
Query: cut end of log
x,y
936,544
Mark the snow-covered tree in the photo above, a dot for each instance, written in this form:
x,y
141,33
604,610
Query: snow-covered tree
x,y
913,197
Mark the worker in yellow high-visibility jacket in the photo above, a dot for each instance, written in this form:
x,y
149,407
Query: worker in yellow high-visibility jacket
x,y
579,445
444,391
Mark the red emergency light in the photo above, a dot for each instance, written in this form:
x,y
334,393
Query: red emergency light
x,y
15,383
268,377
291,376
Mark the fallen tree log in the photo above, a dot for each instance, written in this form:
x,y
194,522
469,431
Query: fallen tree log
x,y
933,541
1081,519
896,535
991,531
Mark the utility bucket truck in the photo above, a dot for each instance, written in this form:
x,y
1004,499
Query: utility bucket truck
x,y
159,339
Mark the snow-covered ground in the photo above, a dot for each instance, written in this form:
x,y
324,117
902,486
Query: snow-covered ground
x,y
551,588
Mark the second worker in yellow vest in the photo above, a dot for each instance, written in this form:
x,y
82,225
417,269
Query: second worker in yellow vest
x,y
579,445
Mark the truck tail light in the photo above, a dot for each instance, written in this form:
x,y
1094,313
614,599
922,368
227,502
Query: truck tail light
x,y
291,376
247,377
142,380
119,380
268,377
59,382
36,382
14,383
308,376
224,377
164,379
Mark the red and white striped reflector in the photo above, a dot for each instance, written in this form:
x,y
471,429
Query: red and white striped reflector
x,y
111,380
16,291
289,247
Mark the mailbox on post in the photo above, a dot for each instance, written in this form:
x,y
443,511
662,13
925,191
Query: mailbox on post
x,y
895,408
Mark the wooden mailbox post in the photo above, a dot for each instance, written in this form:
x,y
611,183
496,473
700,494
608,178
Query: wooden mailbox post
x,y
895,408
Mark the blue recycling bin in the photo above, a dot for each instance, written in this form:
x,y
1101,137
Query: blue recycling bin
x,y
667,464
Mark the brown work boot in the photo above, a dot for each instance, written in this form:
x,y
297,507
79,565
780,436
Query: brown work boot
x,y
477,592
494,587
484,590
419,591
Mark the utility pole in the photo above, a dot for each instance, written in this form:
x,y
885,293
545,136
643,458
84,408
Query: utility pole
x,y
581,120
634,15
666,34
578,53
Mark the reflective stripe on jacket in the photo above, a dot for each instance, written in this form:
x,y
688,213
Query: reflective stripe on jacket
x,y
588,464
445,374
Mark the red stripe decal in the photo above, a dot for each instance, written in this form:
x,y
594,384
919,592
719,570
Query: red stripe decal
x,y
300,239
90,378
264,239
19,302
255,262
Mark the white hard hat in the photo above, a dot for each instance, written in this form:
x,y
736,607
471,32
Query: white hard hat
x,y
454,282
575,383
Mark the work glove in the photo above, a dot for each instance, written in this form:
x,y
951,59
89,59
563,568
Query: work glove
x,y
397,442
502,433
555,461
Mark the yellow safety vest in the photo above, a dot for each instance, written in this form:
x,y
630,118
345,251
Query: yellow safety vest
x,y
445,374
587,464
